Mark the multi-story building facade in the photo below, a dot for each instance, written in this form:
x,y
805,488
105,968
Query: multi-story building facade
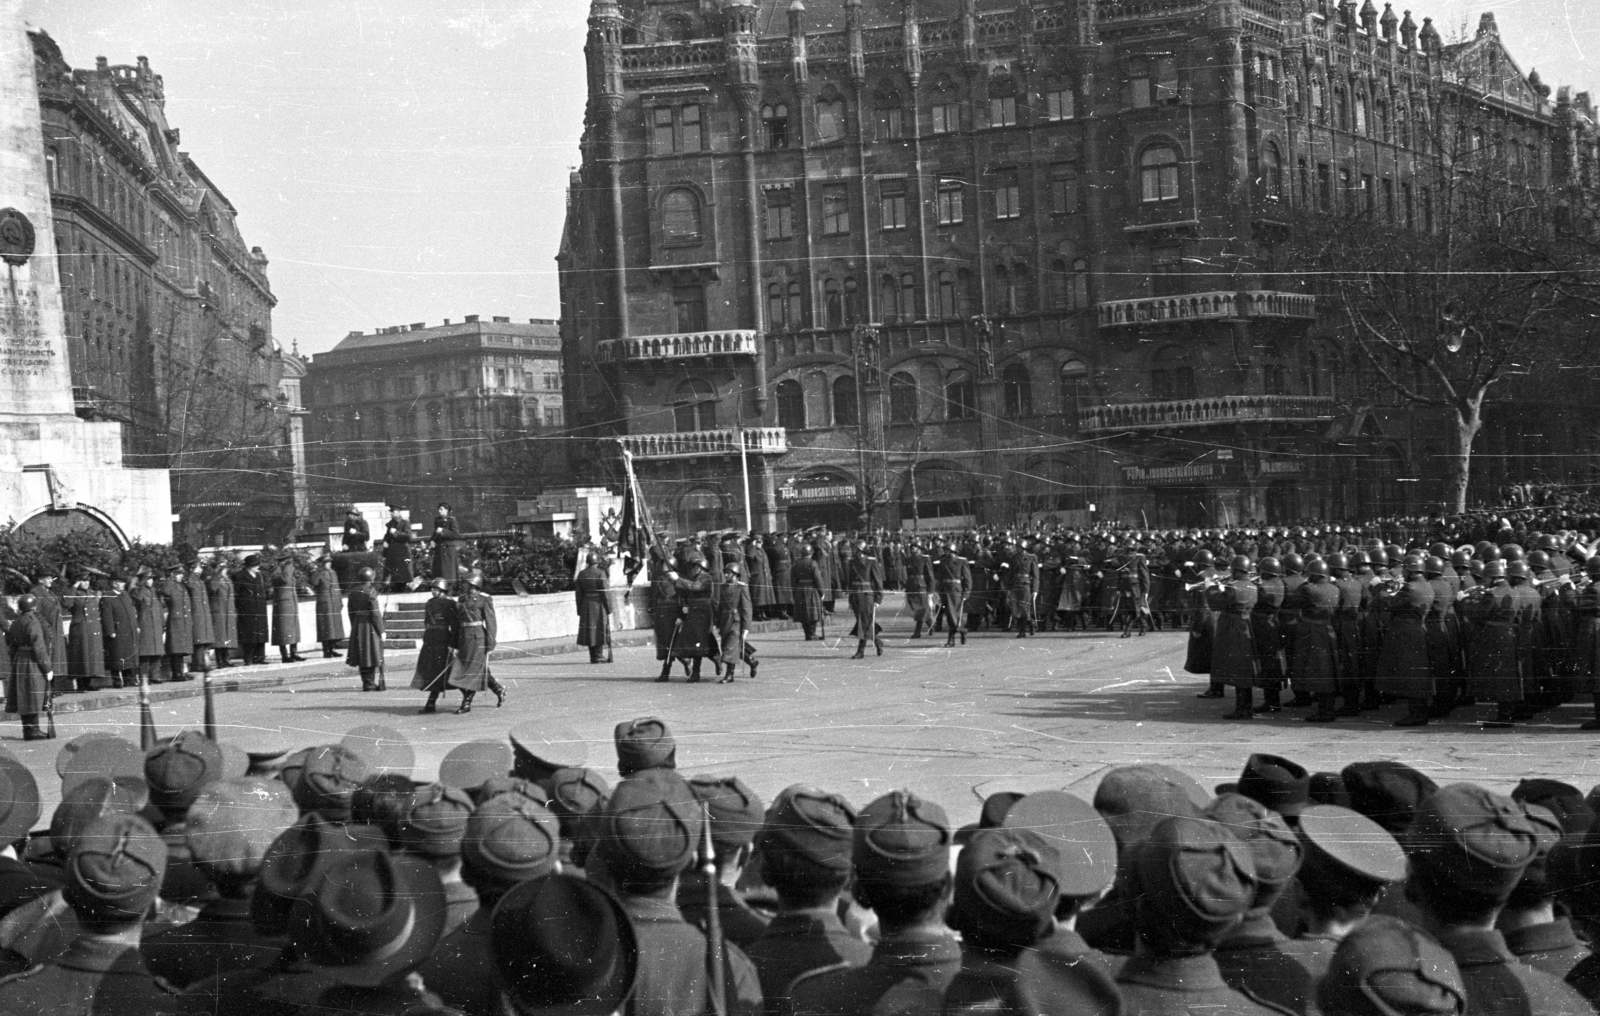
x,y
967,260
168,311
470,412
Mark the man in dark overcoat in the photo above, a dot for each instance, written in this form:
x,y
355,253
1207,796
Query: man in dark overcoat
x,y
251,594
330,607
695,639
397,550
119,626
286,610
205,635
49,610
224,618
366,631
476,622
31,668
152,625
594,608
441,633
356,533
446,545
86,660
180,622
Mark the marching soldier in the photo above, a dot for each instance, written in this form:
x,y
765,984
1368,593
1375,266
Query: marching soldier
x,y
440,635
1023,573
864,579
952,580
807,581
1198,576
692,636
476,622
330,607
180,622
366,632
1074,589
1133,592
733,613
119,626
594,608
919,580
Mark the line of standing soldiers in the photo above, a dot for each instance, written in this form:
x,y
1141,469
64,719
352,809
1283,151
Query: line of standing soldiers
x,y
1436,628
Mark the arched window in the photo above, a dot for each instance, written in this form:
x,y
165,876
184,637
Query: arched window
x,y
1074,376
775,124
680,216
888,298
1158,174
1021,289
833,300
791,405
844,401
775,307
830,119
1018,389
695,406
910,305
1272,172
794,305
902,398
891,115
1311,375
960,397
945,309
852,301
964,308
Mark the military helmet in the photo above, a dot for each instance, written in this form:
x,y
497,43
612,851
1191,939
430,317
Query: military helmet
x,y
1240,565
1270,566
1293,563
1511,552
1592,566
1459,560
1491,554
366,575
1203,558
1518,570
1538,560
1394,554
1338,563
1360,559
1411,563
1440,550
1495,569
1434,565
1317,569
1547,542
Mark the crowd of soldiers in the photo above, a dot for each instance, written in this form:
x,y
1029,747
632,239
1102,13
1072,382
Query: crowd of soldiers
x,y
197,877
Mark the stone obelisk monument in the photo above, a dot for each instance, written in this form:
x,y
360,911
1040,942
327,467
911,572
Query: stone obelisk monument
x,y
52,464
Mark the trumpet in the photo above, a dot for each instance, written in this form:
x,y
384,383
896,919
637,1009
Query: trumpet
x,y
1214,582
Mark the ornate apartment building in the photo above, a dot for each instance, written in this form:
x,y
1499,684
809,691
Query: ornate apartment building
x,y
168,310
981,260
460,412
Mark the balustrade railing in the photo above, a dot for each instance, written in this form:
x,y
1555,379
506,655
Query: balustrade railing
x,y
1223,409
694,443
683,345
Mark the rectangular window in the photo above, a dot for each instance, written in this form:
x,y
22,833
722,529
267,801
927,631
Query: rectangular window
x,y
892,204
1427,210
949,203
552,382
1305,184
1388,199
830,119
1003,111
552,416
1346,200
891,123
1369,195
500,377
690,118
1166,80
835,209
1007,195
1409,205
946,118
1059,104
463,379
780,213
1063,188
1139,85
663,130
1324,187
689,306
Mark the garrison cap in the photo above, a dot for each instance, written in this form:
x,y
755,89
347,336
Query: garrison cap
x,y
1194,880
1279,783
1468,839
176,770
294,864
232,822
812,823
1386,967
735,810
115,870
652,823
19,800
1541,878
577,792
1346,845
470,765
1275,851
1563,799
509,840
1085,850
515,786
329,780
563,945
96,757
383,749
436,822
645,743
1005,888
92,799
1135,799
1387,792
902,840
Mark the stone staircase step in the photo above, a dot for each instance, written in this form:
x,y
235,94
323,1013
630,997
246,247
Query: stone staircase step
x,y
402,643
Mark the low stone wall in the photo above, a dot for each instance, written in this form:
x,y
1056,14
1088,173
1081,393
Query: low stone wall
x,y
519,618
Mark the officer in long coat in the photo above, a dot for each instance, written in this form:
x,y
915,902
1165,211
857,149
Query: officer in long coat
x,y
1233,645
733,613
49,610
807,581
1264,622
224,619
695,639
778,562
152,625
251,594
31,667
594,608
441,633
205,634
446,545
86,658
918,584
180,622
397,550
1403,661
1316,648
119,627
330,607
758,577
1022,582
366,631
864,580
286,611
478,633
952,580
822,552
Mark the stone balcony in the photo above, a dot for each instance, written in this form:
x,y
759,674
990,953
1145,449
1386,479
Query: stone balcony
x,y
1224,409
681,346
701,443
1219,305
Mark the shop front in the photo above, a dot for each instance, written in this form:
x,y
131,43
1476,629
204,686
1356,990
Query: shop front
x,y
821,499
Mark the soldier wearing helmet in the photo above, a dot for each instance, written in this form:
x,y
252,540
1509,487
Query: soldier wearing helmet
x,y
1444,639
1233,654
1267,633
1494,670
1403,664
440,635
1317,671
1586,637
1294,577
366,632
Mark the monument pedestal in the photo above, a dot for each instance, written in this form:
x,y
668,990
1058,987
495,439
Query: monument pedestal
x,y
64,472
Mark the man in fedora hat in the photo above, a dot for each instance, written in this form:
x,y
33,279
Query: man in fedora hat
x,y
356,534
563,945
252,594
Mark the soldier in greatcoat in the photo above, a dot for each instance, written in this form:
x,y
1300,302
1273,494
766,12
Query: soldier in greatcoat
x,y
1233,644
476,621
952,580
152,625
758,577
918,585
1316,649
441,633
205,633
49,611
224,618
397,550
823,553
594,607
86,660
330,607
119,626
31,667
286,610
864,580
180,622
694,638
366,631
251,594
733,612
1586,638
446,545
778,562
1264,628
806,580
1403,661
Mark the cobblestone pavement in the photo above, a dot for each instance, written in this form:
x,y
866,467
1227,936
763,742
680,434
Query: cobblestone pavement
x,y
954,724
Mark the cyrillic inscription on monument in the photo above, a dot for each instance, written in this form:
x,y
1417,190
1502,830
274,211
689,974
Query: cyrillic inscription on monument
x,y
24,351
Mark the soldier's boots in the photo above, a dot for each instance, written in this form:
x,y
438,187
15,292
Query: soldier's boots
x,y
861,650
1241,705
1416,714
1325,712
466,702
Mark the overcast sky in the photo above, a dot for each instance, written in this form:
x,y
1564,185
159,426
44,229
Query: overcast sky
x,y
407,160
